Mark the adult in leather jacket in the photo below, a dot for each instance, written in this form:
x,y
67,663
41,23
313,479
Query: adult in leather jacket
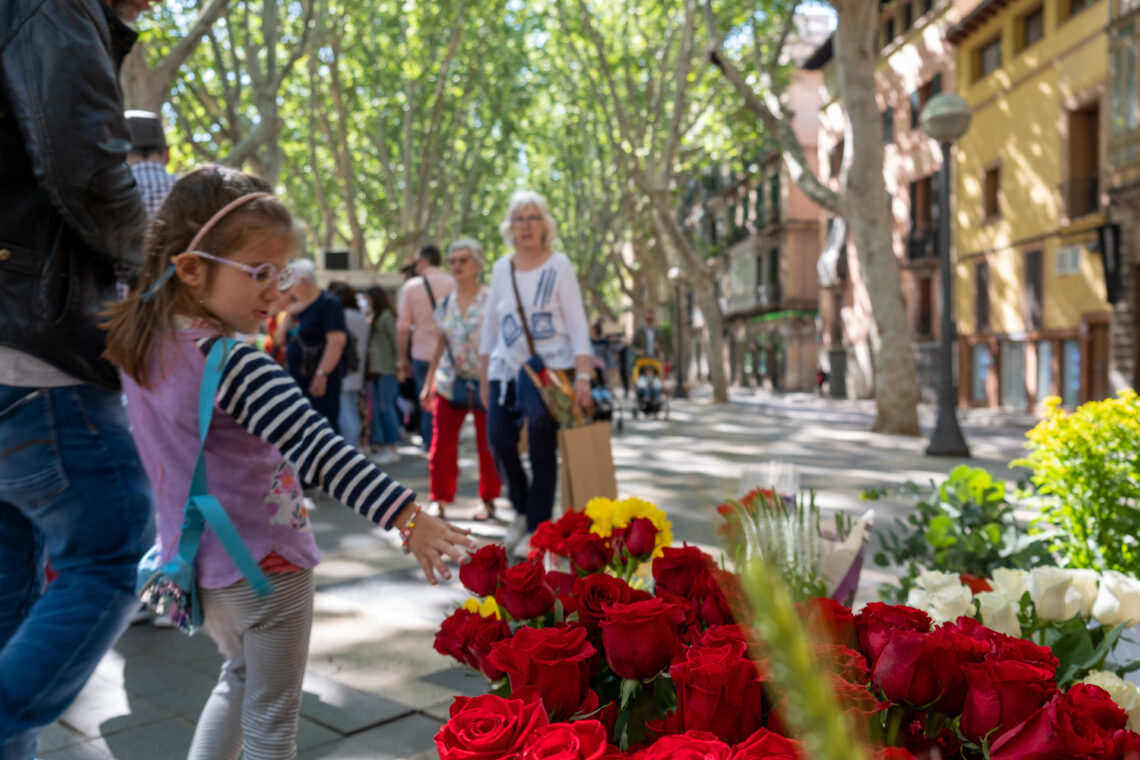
x,y
71,219
71,483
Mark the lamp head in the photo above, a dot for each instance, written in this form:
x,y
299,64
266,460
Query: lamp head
x,y
946,117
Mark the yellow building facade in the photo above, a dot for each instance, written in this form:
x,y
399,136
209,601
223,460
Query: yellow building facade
x,y
1029,203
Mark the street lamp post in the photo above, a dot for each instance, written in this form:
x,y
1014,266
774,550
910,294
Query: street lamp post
x,y
946,118
675,278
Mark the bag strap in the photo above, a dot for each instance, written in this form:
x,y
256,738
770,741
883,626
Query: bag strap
x,y
522,312
201,507
446,342
431,296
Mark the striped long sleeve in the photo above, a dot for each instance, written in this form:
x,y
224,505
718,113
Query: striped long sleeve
x,y
265,400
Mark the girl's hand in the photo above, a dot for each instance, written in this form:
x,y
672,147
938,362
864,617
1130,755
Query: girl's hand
x,y
433,539
583,399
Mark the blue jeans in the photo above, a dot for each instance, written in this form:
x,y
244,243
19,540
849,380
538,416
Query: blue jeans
x,y
533,497
419,372
71,483
385,426
349,423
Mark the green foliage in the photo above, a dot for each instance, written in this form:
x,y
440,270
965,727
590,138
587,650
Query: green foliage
x,y
966,525
1086,467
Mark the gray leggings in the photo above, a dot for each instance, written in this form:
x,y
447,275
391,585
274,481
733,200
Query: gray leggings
x,y
256,704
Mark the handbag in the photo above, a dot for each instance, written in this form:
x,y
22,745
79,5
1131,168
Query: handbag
x,y
170,588
528,395
464,390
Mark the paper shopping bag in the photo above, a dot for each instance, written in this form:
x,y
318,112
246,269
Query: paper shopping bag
x,y
587,465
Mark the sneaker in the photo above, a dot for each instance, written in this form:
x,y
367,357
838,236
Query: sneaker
x,y
386,456
515,533
521,550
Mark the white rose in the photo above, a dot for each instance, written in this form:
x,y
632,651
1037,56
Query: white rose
x,y
1118,600
1086,583
919,599
932,580
1012,583
999,612
949,603
1126,695
1052,592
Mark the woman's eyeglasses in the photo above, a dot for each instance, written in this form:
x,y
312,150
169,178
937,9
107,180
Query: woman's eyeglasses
x,y
263,275
459,260
531,219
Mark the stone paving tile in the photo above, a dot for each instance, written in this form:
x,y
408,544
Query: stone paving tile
x,y
403,739
101,709
310,735
459,681
58,736
346,710
168,738
90,750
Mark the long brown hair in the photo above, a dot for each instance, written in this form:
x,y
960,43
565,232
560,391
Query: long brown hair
x,y
134,325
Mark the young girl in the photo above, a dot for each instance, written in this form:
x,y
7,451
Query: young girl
x,y
217,256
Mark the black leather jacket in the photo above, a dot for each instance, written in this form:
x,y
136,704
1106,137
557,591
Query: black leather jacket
x,y
70,214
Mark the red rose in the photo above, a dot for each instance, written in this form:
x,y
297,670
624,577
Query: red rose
x,y
690,628
767,745
555,661
523,591
677,568
1082,723
718,689
976,583
488,728
876,623
894,753
716,593
844,662
691,745
551,535
588,553
857,700
640,537
1001,694
580,740
480,574
468,637
829,621
639,638
562,583
916,670
594,592
1022,650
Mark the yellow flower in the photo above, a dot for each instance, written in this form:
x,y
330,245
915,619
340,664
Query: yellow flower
x,y
600,510
487,608
633,507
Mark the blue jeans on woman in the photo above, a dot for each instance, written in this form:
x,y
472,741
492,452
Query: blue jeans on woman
x,y
349,423
385,426
71,484
534,496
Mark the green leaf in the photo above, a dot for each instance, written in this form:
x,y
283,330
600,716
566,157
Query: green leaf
x,y
630,688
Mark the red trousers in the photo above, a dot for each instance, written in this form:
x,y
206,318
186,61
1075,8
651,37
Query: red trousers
x,y
443,459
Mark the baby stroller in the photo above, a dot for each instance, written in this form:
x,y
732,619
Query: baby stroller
x,y
606,408
649,387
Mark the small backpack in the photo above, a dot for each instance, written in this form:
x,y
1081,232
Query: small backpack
x,y
351,354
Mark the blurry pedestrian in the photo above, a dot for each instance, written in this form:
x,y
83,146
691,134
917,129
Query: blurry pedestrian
x,y
416,331
383,388
452,388
535,308
71,483
354,360
316,341
148,157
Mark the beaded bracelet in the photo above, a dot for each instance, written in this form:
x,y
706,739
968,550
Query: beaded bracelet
x,y
406,531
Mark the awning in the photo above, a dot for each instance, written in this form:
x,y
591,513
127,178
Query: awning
x,y
832,264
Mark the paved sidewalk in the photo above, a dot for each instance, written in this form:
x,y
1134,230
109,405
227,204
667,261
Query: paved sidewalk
x,y
376,689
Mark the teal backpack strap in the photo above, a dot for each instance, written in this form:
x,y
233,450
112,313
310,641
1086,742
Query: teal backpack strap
x,y
203,508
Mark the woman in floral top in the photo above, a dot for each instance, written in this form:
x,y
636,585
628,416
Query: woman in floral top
x,y
454,387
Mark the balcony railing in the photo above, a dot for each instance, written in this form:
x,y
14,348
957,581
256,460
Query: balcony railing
x,y
1081,196
921,245
768,295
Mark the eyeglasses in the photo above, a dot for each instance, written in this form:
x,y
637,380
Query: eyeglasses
x,y
531,219
459,260
263,275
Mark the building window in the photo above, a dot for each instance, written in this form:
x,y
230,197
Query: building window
x,y
1082,191
920,97
991,193
907,15
982,297
1067,260
1034,314
921,7
889,125
1125,94
1013,375
924,309
1071,372
835,158
987,58
924,210
1031,28
1044,369
885,34
981,372
1070,8
774,198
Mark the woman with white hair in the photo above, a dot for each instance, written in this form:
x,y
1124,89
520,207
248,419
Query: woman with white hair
x,y
534,309
452,386
316,339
